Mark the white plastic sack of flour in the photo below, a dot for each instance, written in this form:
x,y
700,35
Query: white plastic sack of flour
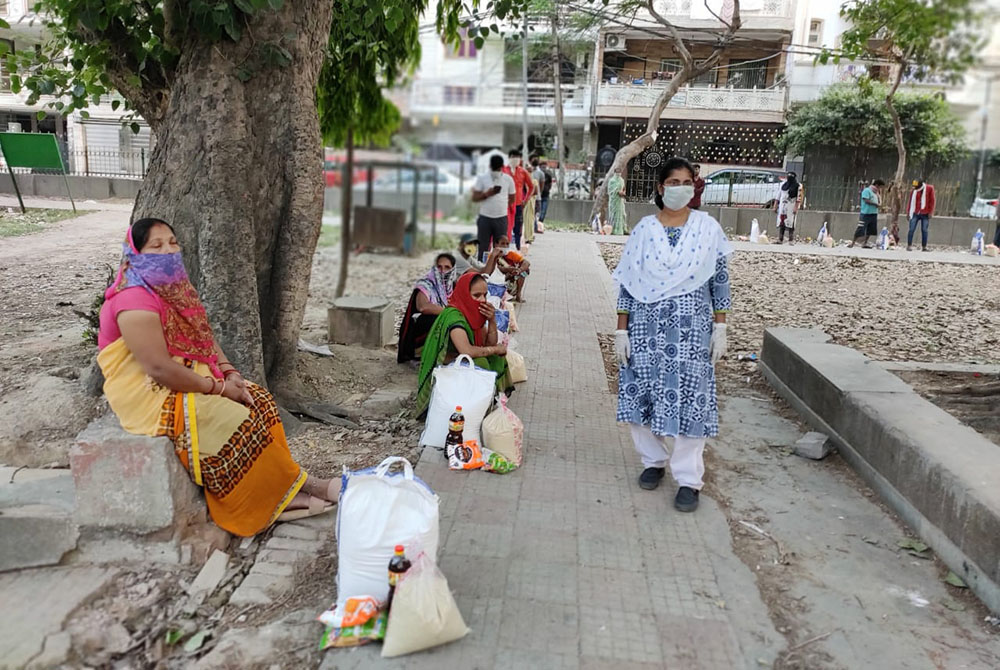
x,y
377,511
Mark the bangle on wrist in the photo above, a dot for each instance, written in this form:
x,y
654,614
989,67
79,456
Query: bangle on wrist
x,y
230,371
211,386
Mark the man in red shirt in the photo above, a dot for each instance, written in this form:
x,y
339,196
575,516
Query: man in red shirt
x,y
699,188
920,207
523,189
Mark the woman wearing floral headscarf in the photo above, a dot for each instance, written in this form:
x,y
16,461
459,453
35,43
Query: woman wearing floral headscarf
x,y
672,307
165,375
429,298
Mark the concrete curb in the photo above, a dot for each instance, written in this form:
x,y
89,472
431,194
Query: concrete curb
x,y
938,474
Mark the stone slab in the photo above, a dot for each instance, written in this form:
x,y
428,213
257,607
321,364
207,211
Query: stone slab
x,y
131,482
937,473
36,603
35,535
368,322
815,446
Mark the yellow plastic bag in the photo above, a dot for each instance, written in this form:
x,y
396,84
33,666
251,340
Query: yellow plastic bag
x,y
424,613
503,432
516,366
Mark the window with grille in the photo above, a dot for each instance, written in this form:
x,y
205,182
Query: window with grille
x,y
816,32
460,95
749,73
4,7
673,65
466,47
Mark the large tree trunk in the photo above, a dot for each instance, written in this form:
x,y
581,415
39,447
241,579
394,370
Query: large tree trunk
x,y
236,170
557,82
897,190
346,204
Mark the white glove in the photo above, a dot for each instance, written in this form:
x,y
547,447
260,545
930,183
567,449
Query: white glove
x,y
718,345
623,350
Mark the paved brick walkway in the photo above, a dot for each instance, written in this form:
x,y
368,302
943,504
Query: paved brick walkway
x,y
566,563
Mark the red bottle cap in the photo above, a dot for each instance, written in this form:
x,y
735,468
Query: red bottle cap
x,y
458,409
399,549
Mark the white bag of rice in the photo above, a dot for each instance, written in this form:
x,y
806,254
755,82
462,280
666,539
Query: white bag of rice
x,y
423,613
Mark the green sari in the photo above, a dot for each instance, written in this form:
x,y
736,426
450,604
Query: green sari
x,y
438,345
616,205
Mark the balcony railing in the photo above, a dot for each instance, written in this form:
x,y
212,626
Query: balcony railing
x,y
505,97
696,9
735,99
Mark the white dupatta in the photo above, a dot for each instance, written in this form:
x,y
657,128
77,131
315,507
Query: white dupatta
x,y
651,270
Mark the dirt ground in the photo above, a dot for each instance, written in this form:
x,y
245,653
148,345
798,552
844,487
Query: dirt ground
x,y
972,398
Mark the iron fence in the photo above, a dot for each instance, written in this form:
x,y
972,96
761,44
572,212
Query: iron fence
x,y
99,162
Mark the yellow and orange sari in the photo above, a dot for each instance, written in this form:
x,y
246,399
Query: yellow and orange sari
x,y
237,454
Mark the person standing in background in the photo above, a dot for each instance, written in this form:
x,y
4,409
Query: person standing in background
x,y
522,191
494,191
788,207
545,185
920,210
699,188
616,203
868,223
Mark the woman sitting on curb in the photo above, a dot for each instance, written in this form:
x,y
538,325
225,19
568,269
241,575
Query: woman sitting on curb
x,y
468,326
165,375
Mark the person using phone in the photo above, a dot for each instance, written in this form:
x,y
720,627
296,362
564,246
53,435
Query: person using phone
x,y
494,191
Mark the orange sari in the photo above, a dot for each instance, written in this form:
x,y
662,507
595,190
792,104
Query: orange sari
x,y
238,455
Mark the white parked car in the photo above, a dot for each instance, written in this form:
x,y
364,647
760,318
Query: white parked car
x,y
401,181
743,187
984,209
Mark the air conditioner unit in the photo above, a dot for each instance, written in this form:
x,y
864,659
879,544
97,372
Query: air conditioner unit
x,y
613,42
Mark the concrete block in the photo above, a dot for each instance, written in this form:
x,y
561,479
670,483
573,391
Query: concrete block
x,y
272,569
209,577
54,652
280,556
816,446
270,584
387,401
361,320
938,474
131,482
297,532
293,544
35,535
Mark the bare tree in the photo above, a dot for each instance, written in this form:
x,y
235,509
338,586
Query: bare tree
x,y
690,69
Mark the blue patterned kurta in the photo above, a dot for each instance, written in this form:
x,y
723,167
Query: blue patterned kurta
x,y
669,382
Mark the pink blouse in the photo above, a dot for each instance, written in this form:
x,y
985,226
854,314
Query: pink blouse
x,y
135,298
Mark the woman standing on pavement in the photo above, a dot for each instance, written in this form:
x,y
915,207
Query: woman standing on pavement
x,y
672,305
788,207
616,203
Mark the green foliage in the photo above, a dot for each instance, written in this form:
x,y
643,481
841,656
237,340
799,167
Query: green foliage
x,y
100,47
372,45
856,116
934,39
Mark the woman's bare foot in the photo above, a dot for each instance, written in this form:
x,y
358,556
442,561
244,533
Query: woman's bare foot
x,y
324,489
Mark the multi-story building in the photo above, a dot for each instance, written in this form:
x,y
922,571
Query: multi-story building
x,y
730,116
473,99
99,144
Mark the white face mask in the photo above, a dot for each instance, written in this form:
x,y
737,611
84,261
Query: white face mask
x,y
677,197
514,162
495,174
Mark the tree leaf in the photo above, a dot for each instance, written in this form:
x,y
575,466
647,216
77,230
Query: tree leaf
x,y
195,642
41,115
245,6
915,545
135,127
115,104
173,637
955,580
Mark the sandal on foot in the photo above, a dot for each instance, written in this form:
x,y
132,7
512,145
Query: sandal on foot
x,y
316,507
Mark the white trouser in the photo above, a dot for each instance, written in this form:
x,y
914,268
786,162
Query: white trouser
x,y
687,464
